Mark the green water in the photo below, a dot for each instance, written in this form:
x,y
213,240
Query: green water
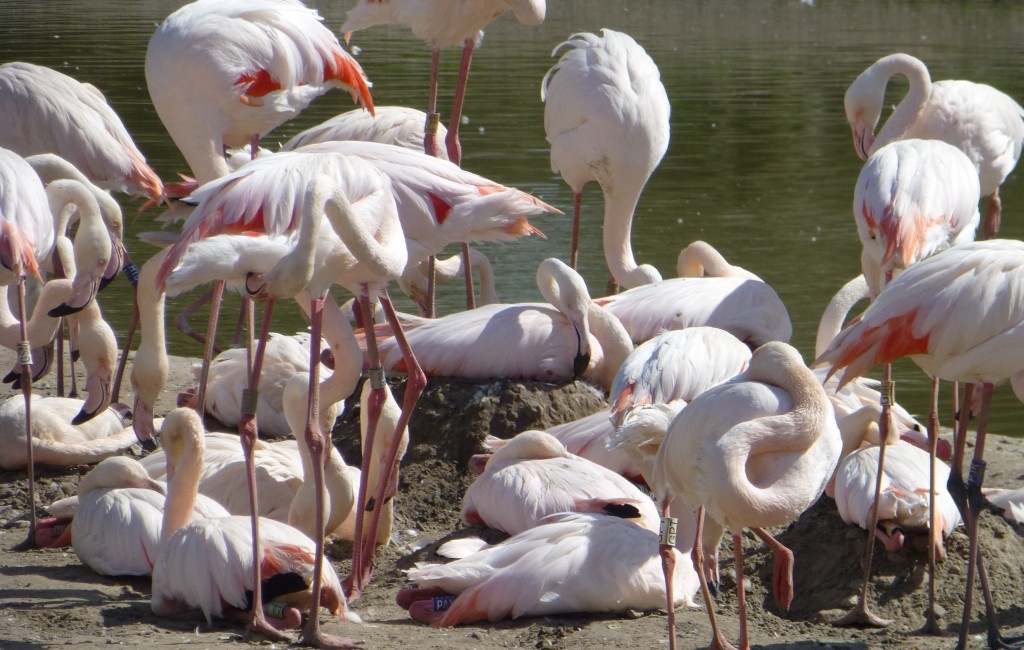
x,y
761,162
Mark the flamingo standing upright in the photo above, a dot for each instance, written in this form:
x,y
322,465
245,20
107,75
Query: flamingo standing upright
x,y
460,23
753,452
913,198
26,238
983,122
916,315
606,116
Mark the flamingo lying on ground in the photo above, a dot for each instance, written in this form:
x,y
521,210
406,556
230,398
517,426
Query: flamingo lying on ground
x,y
568,563
206,564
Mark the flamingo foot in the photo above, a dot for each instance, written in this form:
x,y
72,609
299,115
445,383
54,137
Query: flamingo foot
x,y
28,544
782,578
262,627
53,533
931,625
861,616
313,637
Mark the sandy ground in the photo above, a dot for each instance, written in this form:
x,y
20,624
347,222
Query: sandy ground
x,y
48,599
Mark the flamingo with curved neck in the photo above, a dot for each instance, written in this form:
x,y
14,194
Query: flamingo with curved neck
x,y
983,122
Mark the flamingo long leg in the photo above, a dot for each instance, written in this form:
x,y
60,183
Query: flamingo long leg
x,y
122,361
718,641
931,623
741,596
359,576
577,209
25,360
666,549
455,148
861,614
181,321
211,331
414,386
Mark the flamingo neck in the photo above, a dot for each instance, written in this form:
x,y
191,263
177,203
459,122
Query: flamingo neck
x,y
150,366
619,209
835,313
907,111
700,259
184,452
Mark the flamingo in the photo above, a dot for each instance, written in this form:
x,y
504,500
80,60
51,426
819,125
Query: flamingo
x,y
221,73
533,476
362,248
206,564
397,125
678,364
903,506
606,116
46,111
914,316
118,516
913,198
567,337
753,452
1011,502
570,562
983,122
459,24
55,441
26,238
748,309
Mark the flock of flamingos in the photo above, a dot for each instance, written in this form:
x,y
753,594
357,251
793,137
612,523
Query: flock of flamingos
x,y
708,404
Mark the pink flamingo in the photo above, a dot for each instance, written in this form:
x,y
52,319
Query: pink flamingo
x,y
460,23
49,112
26,238
912,199
118,518
570,562
915,316
533,476
556,341
783,444
206,564
984,123
606,116
345,225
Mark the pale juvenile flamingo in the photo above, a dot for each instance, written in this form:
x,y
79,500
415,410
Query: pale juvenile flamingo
x,y
118,518
533,476
783,444
564,338
916,315
571,562
46,111
913,198
984,123
206,564
903,507
606,116
26,239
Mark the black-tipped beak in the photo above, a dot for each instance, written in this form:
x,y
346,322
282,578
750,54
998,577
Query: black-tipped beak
x,y
64,309
579,364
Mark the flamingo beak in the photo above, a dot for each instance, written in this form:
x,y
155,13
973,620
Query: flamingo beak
x,y
863,138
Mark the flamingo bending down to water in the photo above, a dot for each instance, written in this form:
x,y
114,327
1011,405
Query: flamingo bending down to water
x,y
566,338
206,564
783,444
570,562
533,476
606,116
984,123
46,111
916,316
